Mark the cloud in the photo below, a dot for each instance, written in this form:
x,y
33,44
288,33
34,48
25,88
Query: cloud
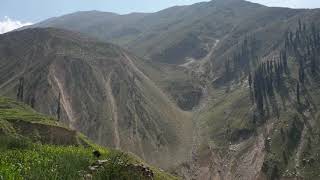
x,y
8,24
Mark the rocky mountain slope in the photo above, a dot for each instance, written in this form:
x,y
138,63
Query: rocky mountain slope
x,y
95,88
176,34
247,74
201,36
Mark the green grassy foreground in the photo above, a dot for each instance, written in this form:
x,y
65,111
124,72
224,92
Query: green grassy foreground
x,y
31,148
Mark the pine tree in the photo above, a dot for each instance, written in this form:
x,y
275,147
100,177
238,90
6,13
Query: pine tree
x,y
313,64
32,101
287,42
301,74
300,26
275,173
59,107
259,93
20,89
298,93
227,69
291,37
278,74
250,80
284,60
304,28
285,158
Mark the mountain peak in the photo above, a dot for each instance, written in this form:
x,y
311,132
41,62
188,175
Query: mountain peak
x,y
227,1
232,2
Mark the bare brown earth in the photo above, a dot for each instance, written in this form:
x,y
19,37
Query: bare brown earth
x,y
103,94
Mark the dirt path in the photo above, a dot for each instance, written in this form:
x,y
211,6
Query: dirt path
x,y
65,99
114,112
198,110
196,139
200,62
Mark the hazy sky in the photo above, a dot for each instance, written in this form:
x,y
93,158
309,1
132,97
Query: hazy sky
x,y
14,13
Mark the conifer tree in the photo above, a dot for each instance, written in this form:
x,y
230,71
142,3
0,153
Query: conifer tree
x,y
227,69
301,74
32,101
298,93
300,26
20,89
59,107
313,64
250,80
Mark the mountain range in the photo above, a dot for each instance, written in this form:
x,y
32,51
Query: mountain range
x,y
226,89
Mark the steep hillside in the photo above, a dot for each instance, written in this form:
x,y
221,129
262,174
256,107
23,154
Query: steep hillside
x,y
198,38
94,88
261,120
247,74
176,34
35,146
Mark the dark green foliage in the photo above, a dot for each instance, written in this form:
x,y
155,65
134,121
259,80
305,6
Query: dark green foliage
x,y
284,60
117,168
228,70
258,93
282,134
271,170
298,93
244,59
275,173
32,101
304,46
11,142
59,107
285,158
301,74
294,134
250,80
20,89
266,77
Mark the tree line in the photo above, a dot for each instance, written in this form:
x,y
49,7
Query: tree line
x,y
302,45
31,100
267,77
242,60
